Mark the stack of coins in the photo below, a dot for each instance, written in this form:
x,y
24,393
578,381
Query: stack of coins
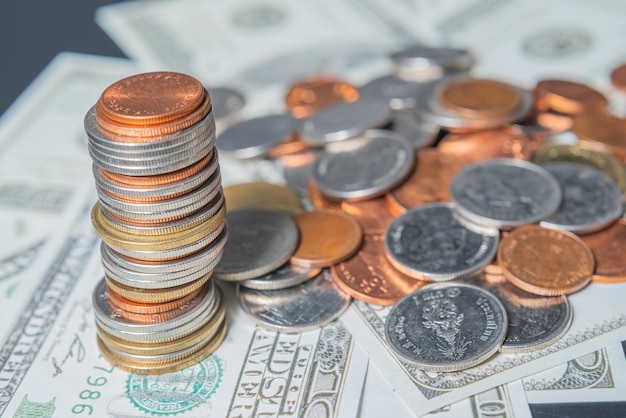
x,y
161,218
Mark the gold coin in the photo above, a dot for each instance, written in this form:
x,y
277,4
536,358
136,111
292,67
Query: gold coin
x,y
262,195
156,295
136,367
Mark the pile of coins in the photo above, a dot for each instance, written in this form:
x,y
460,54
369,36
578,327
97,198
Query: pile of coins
x,y
160,216
471,207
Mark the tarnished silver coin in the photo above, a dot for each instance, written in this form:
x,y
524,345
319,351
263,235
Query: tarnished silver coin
x,y
259,241
365,167
226,102
420,133
302,308
429,242
534,321
283,277
444,327
591,199
423,63
503,193
399,93
344,120
254,137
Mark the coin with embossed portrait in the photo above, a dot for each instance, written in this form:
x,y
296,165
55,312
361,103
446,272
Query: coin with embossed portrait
x,y
445,327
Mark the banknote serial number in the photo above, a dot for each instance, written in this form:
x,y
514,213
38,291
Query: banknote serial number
x,y
92,393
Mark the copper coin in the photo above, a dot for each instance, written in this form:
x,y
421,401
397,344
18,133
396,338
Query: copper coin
x,y
321,202
480,98
429,182
568,97
485,145
372,215
326,238
608,248
602,132
310,96
148,308
544,261
554,121
369,277
618,77
293,145
151,98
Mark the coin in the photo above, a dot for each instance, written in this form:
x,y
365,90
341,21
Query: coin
x,y
160,295
618,77
305,307
504,193
608,250
429,242
480,98
602,132
227,103
568,97
307,97
291,145
372,214
397,92
422,63
554,121
297,170
365,167
369,277
148,308
283,277
417,131
262,195
486,145
445,327
259,241
544,261
591,199
319,201
326,238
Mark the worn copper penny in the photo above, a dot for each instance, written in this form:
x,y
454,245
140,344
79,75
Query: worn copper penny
x,y
568,97
608,248
326,238
369,277
554,121
307,97
618,77
262,195
151,98
321,202
429,182
480,98
545,262
602,132
485,145
372,215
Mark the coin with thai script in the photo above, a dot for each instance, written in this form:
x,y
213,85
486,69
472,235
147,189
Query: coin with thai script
x,y
446,327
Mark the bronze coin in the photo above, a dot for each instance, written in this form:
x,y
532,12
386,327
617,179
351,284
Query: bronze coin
x,y
602,132
308,97
429,182
480,98
608,248
321,202
618,77
568,97
545,262
151,98
372,215
485,145
554,121
368,276
326,238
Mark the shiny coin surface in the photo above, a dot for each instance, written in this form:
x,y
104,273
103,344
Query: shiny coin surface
x,y
298,169
534,321
608,250
364,168
568,97
399,93
591,199
326,238
486,144
262,195
255,137
319,201
422,63
544,261
430,243
368,275
479,98
308,97
371,214
283,277
602,132
417,131
504,193
259,241
302,308
343,121
446,327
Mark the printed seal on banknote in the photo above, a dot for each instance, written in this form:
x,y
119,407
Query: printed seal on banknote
x,y
178,392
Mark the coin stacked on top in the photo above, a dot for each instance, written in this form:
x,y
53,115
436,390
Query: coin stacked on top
x,y
160,216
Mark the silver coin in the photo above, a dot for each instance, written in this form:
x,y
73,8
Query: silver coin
x,y
425,63
503,193
344,120
259,241
399,93
429,242
534,321
591,199
254,137
283,277
417,131
305,307
365,167
446,327
298,169
226,102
